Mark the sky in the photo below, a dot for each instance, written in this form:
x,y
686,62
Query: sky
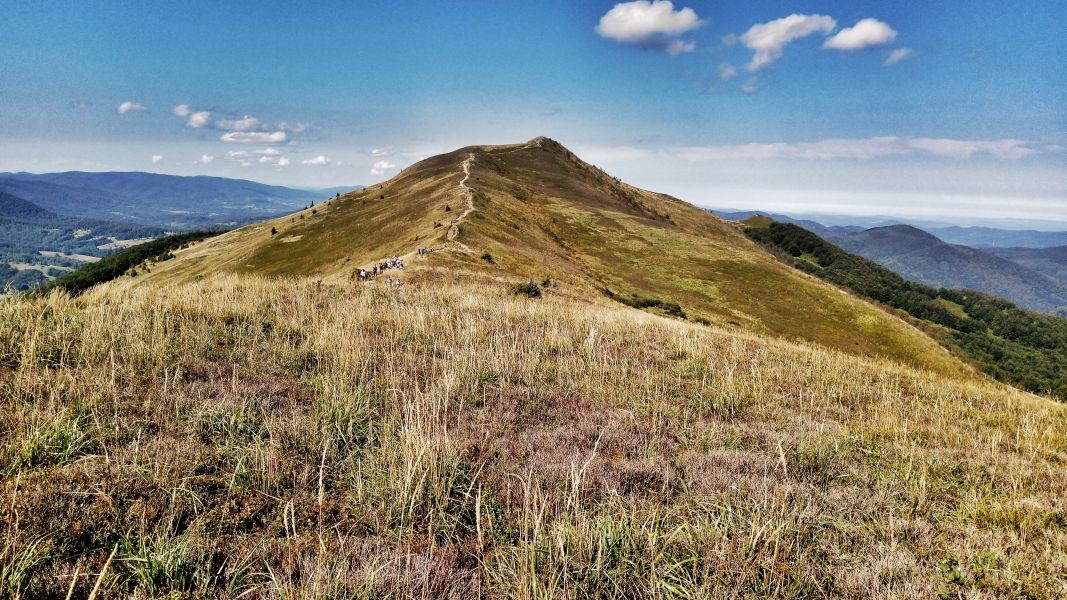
x,y
951,109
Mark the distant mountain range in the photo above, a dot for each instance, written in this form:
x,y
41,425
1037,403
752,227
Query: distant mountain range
x,y
922,257
169,201
52,222
974,236
1034,278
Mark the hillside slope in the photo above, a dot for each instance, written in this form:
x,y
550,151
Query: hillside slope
x,y
237,438
535,211
922,257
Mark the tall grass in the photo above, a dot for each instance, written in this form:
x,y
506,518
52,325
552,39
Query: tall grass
x,y
236,437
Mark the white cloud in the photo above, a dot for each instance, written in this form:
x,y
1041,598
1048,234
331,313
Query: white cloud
x,y
319,160
727,72
676,47
388,151
864,34
239,156
254,137
897,55
295,127
246,124
206,159
1005,149
157,158
182,110
650,25
199,119
129,106
381,166
265,159
283,162
768,39
269,151
861,149
751,86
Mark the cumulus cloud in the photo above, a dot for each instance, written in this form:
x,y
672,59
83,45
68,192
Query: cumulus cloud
x,y
381,166
129,106
654,25
319,161
768,39
864,34
861,149
897,55
283,162
245,124
254,137
727,72
206,159
199,119
269,151
157,158
182,110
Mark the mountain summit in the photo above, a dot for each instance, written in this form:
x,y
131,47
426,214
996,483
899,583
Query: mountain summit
x,y
535,211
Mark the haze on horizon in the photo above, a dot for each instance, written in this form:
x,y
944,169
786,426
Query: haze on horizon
x,y
947,110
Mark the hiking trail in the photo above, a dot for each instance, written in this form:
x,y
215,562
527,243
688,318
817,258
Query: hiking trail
x,y
468,198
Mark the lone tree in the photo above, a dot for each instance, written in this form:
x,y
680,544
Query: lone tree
x,y
274,231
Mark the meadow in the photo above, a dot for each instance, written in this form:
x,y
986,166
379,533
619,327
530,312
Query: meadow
x,y
250,437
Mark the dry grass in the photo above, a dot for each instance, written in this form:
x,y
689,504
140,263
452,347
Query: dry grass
x,y
236,438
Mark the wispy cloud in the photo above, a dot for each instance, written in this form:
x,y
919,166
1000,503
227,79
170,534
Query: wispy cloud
x,y
130,106
862,149
157,158
381,166
653,25
254,137
318,161
897,55
206,159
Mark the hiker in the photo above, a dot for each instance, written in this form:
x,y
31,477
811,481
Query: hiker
x,y
398,283
362,275
389,281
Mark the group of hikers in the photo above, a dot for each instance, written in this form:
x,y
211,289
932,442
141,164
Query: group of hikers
x,y
393,262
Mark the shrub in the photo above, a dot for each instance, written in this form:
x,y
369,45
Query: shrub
x,y
529,289
488,258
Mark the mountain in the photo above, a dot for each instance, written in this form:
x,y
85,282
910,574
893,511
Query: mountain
x,y
812,226
169,201
1051,262
536,212
988,237
922,257
16,209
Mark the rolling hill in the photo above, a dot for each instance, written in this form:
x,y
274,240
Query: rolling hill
x,y
1051,262
922,257
536,212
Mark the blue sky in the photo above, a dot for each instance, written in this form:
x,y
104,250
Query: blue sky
x,y
775,105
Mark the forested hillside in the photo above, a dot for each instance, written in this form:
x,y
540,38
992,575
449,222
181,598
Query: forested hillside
x,y
1014,345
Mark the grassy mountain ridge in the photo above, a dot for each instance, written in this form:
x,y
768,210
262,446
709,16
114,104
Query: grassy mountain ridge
x,y
540,213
